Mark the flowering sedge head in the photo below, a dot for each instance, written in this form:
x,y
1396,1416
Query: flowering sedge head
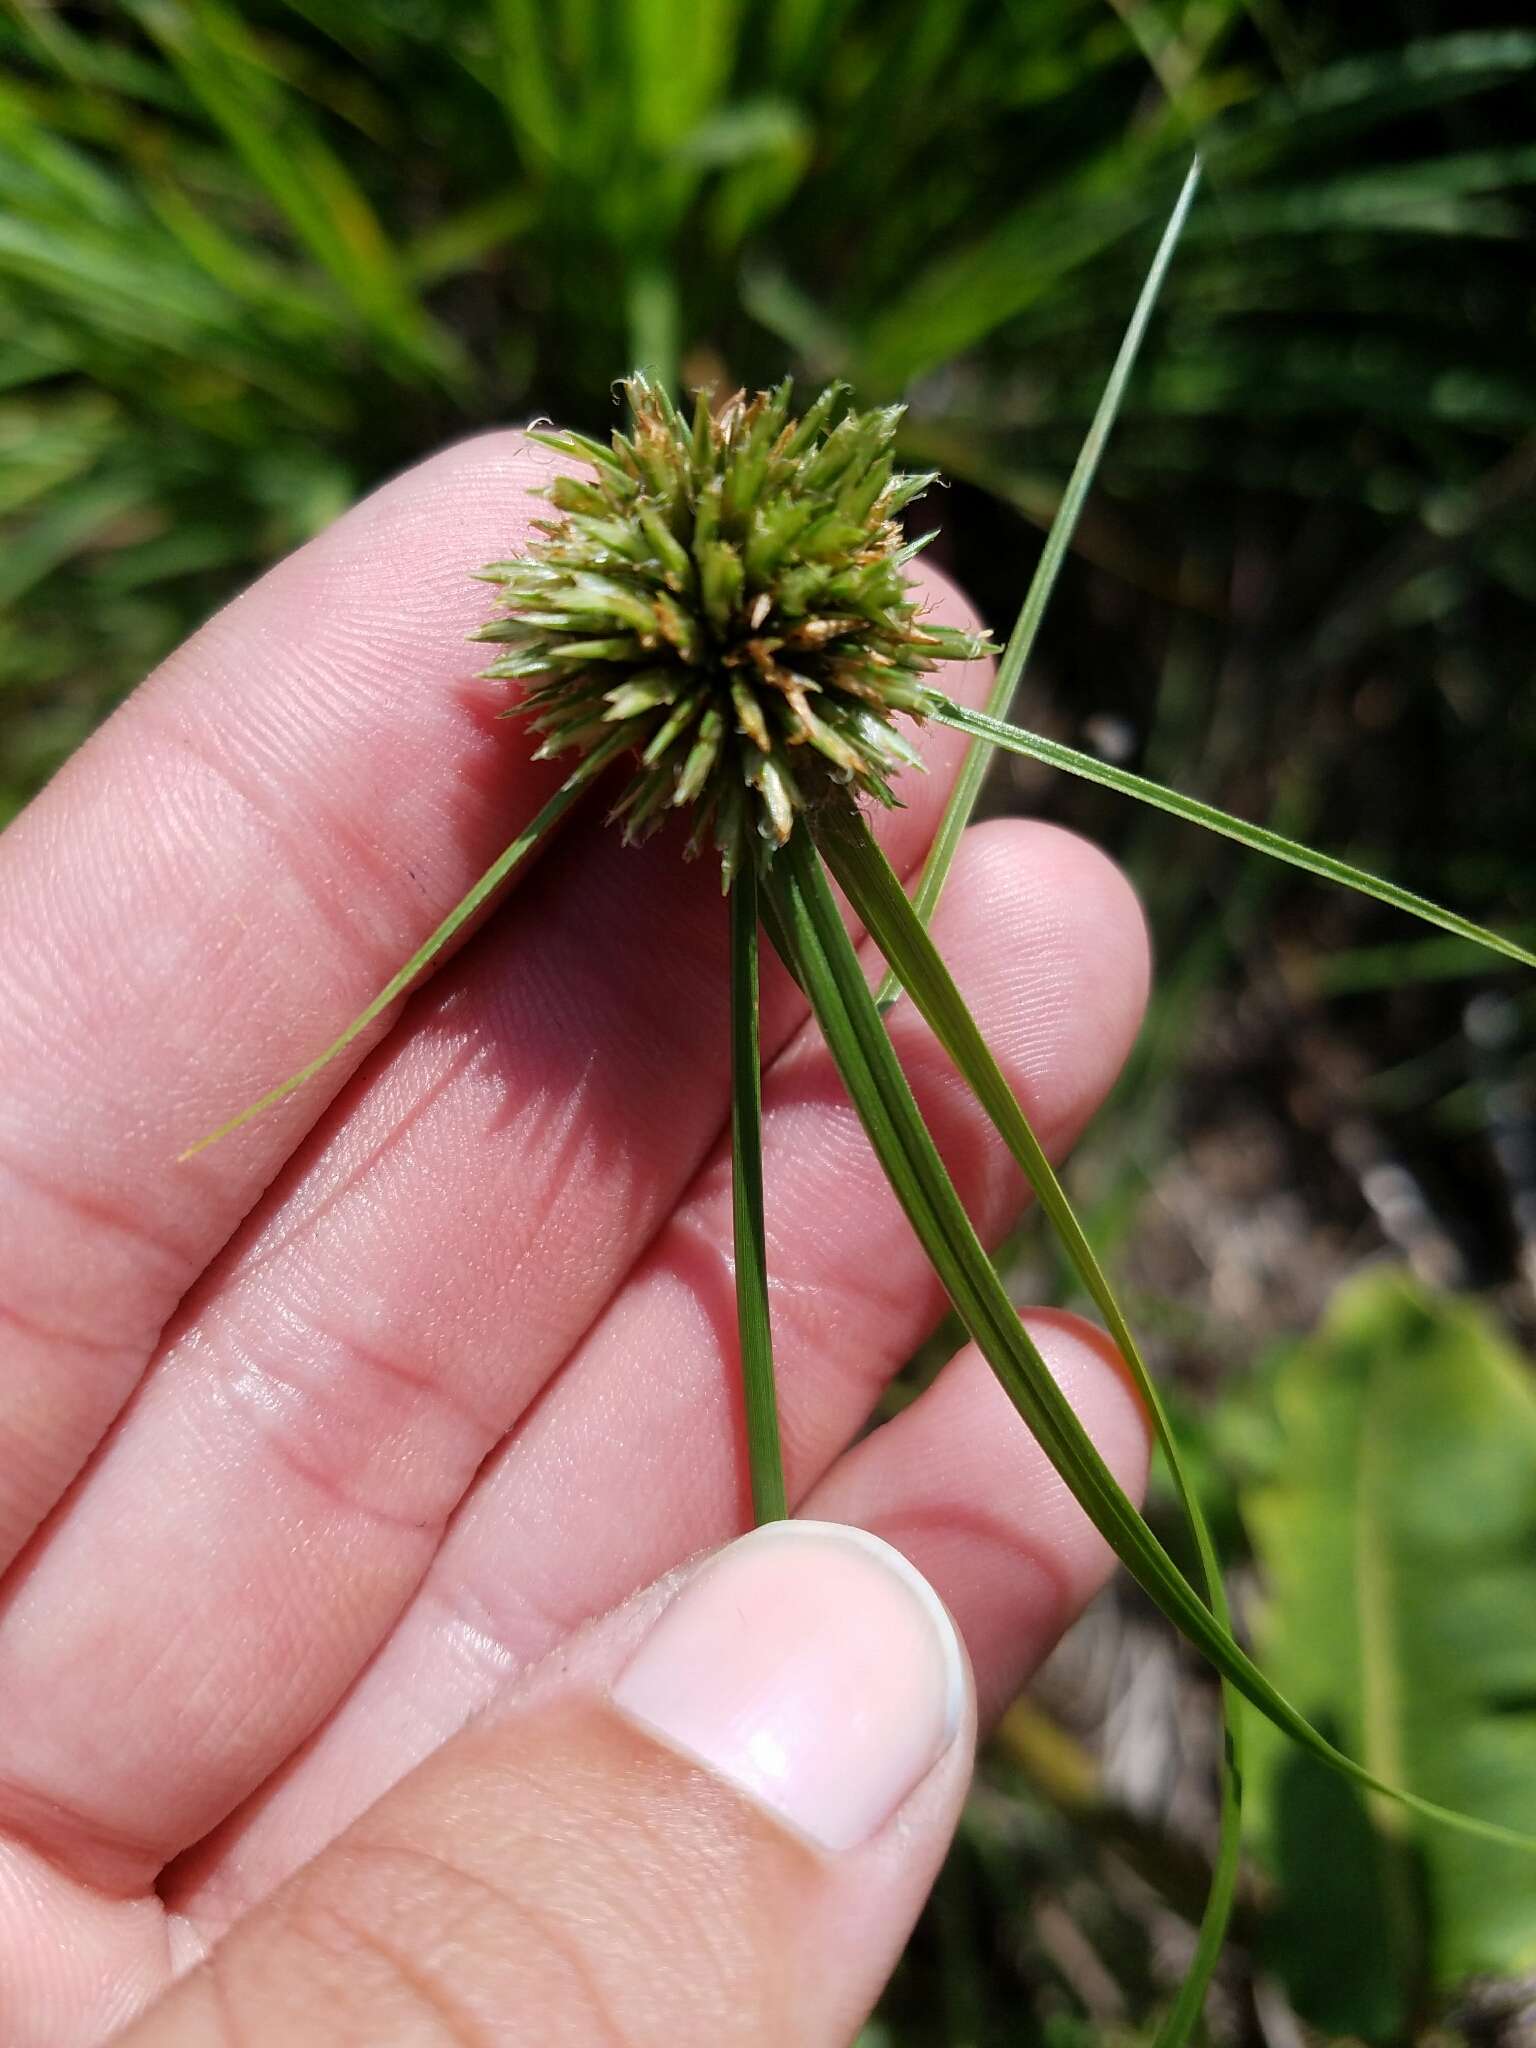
x,y
726,597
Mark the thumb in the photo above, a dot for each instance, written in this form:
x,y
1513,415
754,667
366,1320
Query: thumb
x,y
712,1818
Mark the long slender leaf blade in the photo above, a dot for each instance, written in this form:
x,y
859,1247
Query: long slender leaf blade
x,y
879,901
1013,739
505,862
1021,641
822,956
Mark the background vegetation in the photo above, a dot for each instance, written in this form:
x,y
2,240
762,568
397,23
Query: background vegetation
x,y
253,258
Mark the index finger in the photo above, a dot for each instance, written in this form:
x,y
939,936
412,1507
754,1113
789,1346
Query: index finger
x,y
265,829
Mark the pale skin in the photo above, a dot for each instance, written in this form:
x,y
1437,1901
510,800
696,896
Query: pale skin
x,y
319,1444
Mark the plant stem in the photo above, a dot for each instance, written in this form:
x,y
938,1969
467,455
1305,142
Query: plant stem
x,y
875,892
764,1456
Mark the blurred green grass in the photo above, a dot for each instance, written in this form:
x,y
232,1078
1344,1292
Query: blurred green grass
x,y
255,258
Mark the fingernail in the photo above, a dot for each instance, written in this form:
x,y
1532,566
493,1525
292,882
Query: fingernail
x,y
810,1665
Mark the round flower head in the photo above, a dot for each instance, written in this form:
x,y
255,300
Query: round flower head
x,y
725,600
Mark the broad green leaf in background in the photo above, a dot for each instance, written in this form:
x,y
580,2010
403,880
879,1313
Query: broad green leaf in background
x,y
1396,1531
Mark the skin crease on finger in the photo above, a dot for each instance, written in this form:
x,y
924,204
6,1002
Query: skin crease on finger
x,y
214,1728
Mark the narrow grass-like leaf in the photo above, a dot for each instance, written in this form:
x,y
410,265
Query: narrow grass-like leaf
x,y
505,862
1010,670
303,177
879,901
764,1458
653,322
70,522
809,925
968,291
529,82
678,56
1035,747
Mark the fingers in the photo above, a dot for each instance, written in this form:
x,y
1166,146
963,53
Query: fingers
x,y
634,1457
236,863
713,1823
952,1482
321,1404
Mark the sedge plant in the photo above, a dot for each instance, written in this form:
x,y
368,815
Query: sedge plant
x,y
718,606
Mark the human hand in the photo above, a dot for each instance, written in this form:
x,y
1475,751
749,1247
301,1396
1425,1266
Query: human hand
x,y
319,1445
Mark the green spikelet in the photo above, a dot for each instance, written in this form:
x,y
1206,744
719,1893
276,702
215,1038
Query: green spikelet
x,y
732,591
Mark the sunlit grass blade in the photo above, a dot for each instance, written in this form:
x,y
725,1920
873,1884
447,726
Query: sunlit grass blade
x,y
310,185
808,925
968,291
879,901
503,865
530,86
1035,747
1015,657
764,1458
